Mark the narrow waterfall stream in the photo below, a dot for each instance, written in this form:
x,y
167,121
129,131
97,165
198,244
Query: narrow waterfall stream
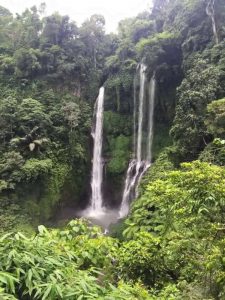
x,y
141,112
210,11
97,212
97,164
151,93
142,160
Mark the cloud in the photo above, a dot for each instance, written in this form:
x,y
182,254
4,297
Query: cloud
x,y
80,10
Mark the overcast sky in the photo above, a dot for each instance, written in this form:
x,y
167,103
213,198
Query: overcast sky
x,y
79,10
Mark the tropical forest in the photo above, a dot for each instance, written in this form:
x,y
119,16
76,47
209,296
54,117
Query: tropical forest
x,y
112,154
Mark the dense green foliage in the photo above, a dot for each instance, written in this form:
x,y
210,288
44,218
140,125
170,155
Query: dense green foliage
x,y
171,246
184,212
69,264
49,74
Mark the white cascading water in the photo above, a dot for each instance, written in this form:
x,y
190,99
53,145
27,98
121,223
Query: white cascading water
x,y
210,11
128,188
97,213
135,164
151,104
141,112
134,117
139,165
147,163
97,164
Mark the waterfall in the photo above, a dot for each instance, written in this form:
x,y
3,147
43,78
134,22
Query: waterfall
x,y
147,163
97,165
141,112
151,104
128,189
210,11
134,116
141,162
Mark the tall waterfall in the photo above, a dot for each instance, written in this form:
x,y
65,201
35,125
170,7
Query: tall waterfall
x,y
210,11
142,159
141,112
97,164
134,117
151,104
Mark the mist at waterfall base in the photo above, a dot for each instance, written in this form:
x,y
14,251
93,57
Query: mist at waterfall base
x,y
97,212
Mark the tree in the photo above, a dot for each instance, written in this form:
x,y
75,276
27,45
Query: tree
x,y
5,19
200,87
8,118
25,29
27,62
185,209
215,118
57,30
32,113
71,113
92,33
